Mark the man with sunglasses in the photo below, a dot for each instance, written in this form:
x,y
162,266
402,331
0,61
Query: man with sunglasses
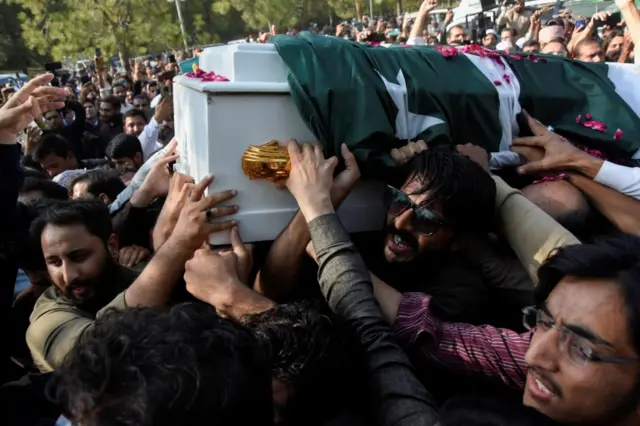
x,y
579,363
435,241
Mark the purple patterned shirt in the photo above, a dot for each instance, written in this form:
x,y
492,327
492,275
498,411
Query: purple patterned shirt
x,y
493,352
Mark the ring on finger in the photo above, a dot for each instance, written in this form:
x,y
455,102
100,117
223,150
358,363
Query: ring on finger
x,y
210,214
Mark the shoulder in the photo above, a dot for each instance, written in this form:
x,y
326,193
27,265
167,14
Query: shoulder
x,y
55,325
49,300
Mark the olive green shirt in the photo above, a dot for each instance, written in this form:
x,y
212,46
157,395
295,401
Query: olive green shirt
x,y
56,323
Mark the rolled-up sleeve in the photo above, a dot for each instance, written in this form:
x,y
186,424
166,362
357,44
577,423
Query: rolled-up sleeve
x,y
492,352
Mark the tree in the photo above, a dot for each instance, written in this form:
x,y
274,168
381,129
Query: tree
x,y
205,26
74,28
13,54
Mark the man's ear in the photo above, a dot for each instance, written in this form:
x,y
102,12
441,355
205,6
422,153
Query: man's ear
x,y
113,246
137,159
104,198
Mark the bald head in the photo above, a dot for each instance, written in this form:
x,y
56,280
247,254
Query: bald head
x,y
562,201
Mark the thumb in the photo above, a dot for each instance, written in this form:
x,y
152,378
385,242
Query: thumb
x,y
537,128
236,242
532,167
332,163
349,159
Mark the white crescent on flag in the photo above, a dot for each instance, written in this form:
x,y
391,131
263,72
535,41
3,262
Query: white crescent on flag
x,y
408,124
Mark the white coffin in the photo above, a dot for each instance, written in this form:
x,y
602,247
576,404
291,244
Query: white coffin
x,y
216,122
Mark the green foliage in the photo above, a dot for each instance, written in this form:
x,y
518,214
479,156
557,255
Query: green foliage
x,y
72,29
259,14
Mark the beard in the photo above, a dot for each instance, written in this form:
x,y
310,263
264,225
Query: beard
x,y
93,294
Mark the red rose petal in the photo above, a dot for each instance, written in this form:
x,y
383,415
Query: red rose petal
x,y
587,116
497,83
578,118
206,76
595,125
447,51
618,135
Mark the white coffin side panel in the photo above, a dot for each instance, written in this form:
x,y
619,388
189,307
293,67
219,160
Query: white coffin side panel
x,y
216,123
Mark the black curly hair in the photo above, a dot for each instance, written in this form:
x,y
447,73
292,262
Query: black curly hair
x,y
468,192
153,367
315,355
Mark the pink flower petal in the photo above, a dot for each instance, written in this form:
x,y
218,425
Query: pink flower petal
x,y
497,83
587,116
517,57
507,78
206,76
618,135
447,51
578,118
595,125
554,178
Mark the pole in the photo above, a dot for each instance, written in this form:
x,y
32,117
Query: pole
x,y
184,36
371,10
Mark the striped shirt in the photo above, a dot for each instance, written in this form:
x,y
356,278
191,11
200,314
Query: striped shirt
x,y
495,353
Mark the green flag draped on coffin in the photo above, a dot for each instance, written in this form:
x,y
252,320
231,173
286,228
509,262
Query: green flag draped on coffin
x,y
376,98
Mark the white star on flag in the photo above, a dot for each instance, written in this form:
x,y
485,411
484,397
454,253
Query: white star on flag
x,y
408,124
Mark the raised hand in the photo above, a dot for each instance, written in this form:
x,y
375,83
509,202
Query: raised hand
x,y
311,179
29,103
558,154
346,180
404,154
195,222
427,6
132,255
220,279
158,182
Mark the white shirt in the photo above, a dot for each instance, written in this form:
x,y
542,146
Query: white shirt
x,y
625,180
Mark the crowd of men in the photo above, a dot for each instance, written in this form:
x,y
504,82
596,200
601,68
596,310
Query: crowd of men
x,y
489,298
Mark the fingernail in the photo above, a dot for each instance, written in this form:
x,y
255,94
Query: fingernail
x,y
234,192
234,222
520,170
236,208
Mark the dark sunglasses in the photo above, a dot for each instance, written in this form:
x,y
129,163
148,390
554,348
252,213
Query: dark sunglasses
x,y
424,220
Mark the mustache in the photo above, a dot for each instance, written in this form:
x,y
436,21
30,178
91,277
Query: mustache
x,y
79,284
407,236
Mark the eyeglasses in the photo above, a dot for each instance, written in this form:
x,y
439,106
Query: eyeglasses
x,y
577,348
424,220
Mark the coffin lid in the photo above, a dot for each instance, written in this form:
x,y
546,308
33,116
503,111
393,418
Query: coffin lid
x,y
250,67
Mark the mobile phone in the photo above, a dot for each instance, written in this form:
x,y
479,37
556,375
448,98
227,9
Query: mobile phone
x,y
580,23
98,52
